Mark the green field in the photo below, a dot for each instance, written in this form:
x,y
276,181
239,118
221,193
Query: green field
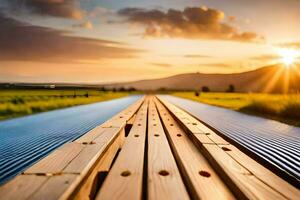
x,y
284,108
15,103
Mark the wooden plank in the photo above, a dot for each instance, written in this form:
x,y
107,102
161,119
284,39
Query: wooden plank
x,y
85,159
85,163
56,161
89,187
92,151
91,135
210,133
164,180
131,120
265,175
54,187
194,126
201,180
21,187
203,139
241,180
124,180
118,122
121,118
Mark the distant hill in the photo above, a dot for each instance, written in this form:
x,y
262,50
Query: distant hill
x,y
265,79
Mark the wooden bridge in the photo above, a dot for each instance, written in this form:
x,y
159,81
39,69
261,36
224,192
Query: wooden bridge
x,y
151,150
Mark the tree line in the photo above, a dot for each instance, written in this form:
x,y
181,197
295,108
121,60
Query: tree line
x,y
230,88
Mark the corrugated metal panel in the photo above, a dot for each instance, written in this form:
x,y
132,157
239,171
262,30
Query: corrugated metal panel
x,y
273,141
25,140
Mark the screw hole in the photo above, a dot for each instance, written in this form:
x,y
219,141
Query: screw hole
x,y
163,173
156,135
204,173
125,173
136,135
194,123
179,135
154,124
226,149
139,125
121,116
171,124
207,133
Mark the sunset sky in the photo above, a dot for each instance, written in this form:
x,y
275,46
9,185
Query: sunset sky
x,y
97,41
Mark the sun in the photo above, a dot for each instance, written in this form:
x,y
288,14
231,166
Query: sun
x,y
288,56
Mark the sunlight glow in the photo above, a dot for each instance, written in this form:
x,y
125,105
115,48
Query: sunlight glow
x,y
288,56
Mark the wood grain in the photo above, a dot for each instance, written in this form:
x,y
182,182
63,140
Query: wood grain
x,y
192,162
262,173
86,164
240,180
164,180
92,151
57,160
124,180
54,187
21,187
121,118
194,126
243,182
88,189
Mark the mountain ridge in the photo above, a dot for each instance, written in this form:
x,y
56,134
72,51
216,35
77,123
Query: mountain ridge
x,y
259,80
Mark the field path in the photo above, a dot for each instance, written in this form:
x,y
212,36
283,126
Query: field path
x,y
25,140
271,142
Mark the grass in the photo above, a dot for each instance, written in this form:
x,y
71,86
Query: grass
x,y
284,108
16,103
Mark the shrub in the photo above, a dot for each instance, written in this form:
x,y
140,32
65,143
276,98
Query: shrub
x,y
205,89
17,100
261,107
291,110
230,88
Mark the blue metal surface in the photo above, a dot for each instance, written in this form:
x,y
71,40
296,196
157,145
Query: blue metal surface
x,y
25,140
273,141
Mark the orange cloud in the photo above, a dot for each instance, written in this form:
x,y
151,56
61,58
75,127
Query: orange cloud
x,y
24,42
161,64
192,23
295,45
197,56
266,57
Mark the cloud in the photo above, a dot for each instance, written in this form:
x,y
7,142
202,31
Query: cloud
x,y
216,65
265,57
161,64
57,8
294,45
197,56
24,42
100,12
86,25
191,23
